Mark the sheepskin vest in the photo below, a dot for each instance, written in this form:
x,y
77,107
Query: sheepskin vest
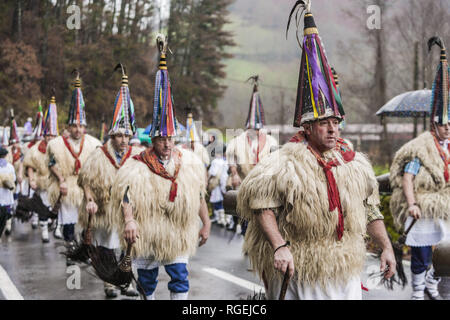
x,y
35,159
239,151
431,191
99,172
292,181
199,150
14,159
6,177
166,229
65,162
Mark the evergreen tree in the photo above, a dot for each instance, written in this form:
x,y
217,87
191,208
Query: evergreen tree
x,y
198,41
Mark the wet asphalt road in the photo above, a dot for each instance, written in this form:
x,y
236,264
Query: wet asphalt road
x,y
218,271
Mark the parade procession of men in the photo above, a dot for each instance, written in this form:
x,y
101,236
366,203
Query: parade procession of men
x,y
301,216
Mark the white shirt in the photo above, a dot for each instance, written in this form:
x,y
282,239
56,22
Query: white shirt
x,y
6,195
218,165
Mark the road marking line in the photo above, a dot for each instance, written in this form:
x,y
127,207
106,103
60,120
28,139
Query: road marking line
x,y
240,282
7,287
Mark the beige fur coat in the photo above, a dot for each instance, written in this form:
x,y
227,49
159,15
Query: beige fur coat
x,y
166,229
431,191
35,160
65,163
99,173
292,181
239,152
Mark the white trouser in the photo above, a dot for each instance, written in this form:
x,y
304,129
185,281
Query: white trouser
x,y
68,214
44,198
350,291
101,237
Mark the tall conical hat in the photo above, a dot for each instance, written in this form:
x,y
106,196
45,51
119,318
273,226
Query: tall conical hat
x,y
77,114
123,120
440,102
51,119
164,122
39,124
191,130
317,94
255,118
13,135
338,96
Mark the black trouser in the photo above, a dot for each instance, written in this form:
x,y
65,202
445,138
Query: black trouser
x,y
5,215
69,232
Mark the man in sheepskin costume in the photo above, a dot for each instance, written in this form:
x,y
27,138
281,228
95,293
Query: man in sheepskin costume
x,y
35,163
421,186
98,172
310,203
158,197
194,142
35,137
65,157
248,148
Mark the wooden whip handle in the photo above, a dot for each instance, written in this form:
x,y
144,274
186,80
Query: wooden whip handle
x,y
125,263
402,238
285,284
410,227
88,233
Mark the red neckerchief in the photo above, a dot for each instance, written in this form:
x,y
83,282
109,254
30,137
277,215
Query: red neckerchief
x,y
76,156
113,161
334,199
32,143
443,156
16,155
42,147
150,158
261,144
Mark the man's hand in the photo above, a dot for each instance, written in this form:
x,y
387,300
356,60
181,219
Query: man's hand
x,y
204,234
284,260
377,232
91,207
131,231
388,258
414,211
204,216
63,188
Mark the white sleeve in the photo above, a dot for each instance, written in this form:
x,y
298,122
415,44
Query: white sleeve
x,y
213,168
224,178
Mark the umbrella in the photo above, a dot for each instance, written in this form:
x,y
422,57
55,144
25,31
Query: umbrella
x,y
407,105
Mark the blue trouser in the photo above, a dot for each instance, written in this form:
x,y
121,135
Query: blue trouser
x,y
217,205
178,278
420,259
